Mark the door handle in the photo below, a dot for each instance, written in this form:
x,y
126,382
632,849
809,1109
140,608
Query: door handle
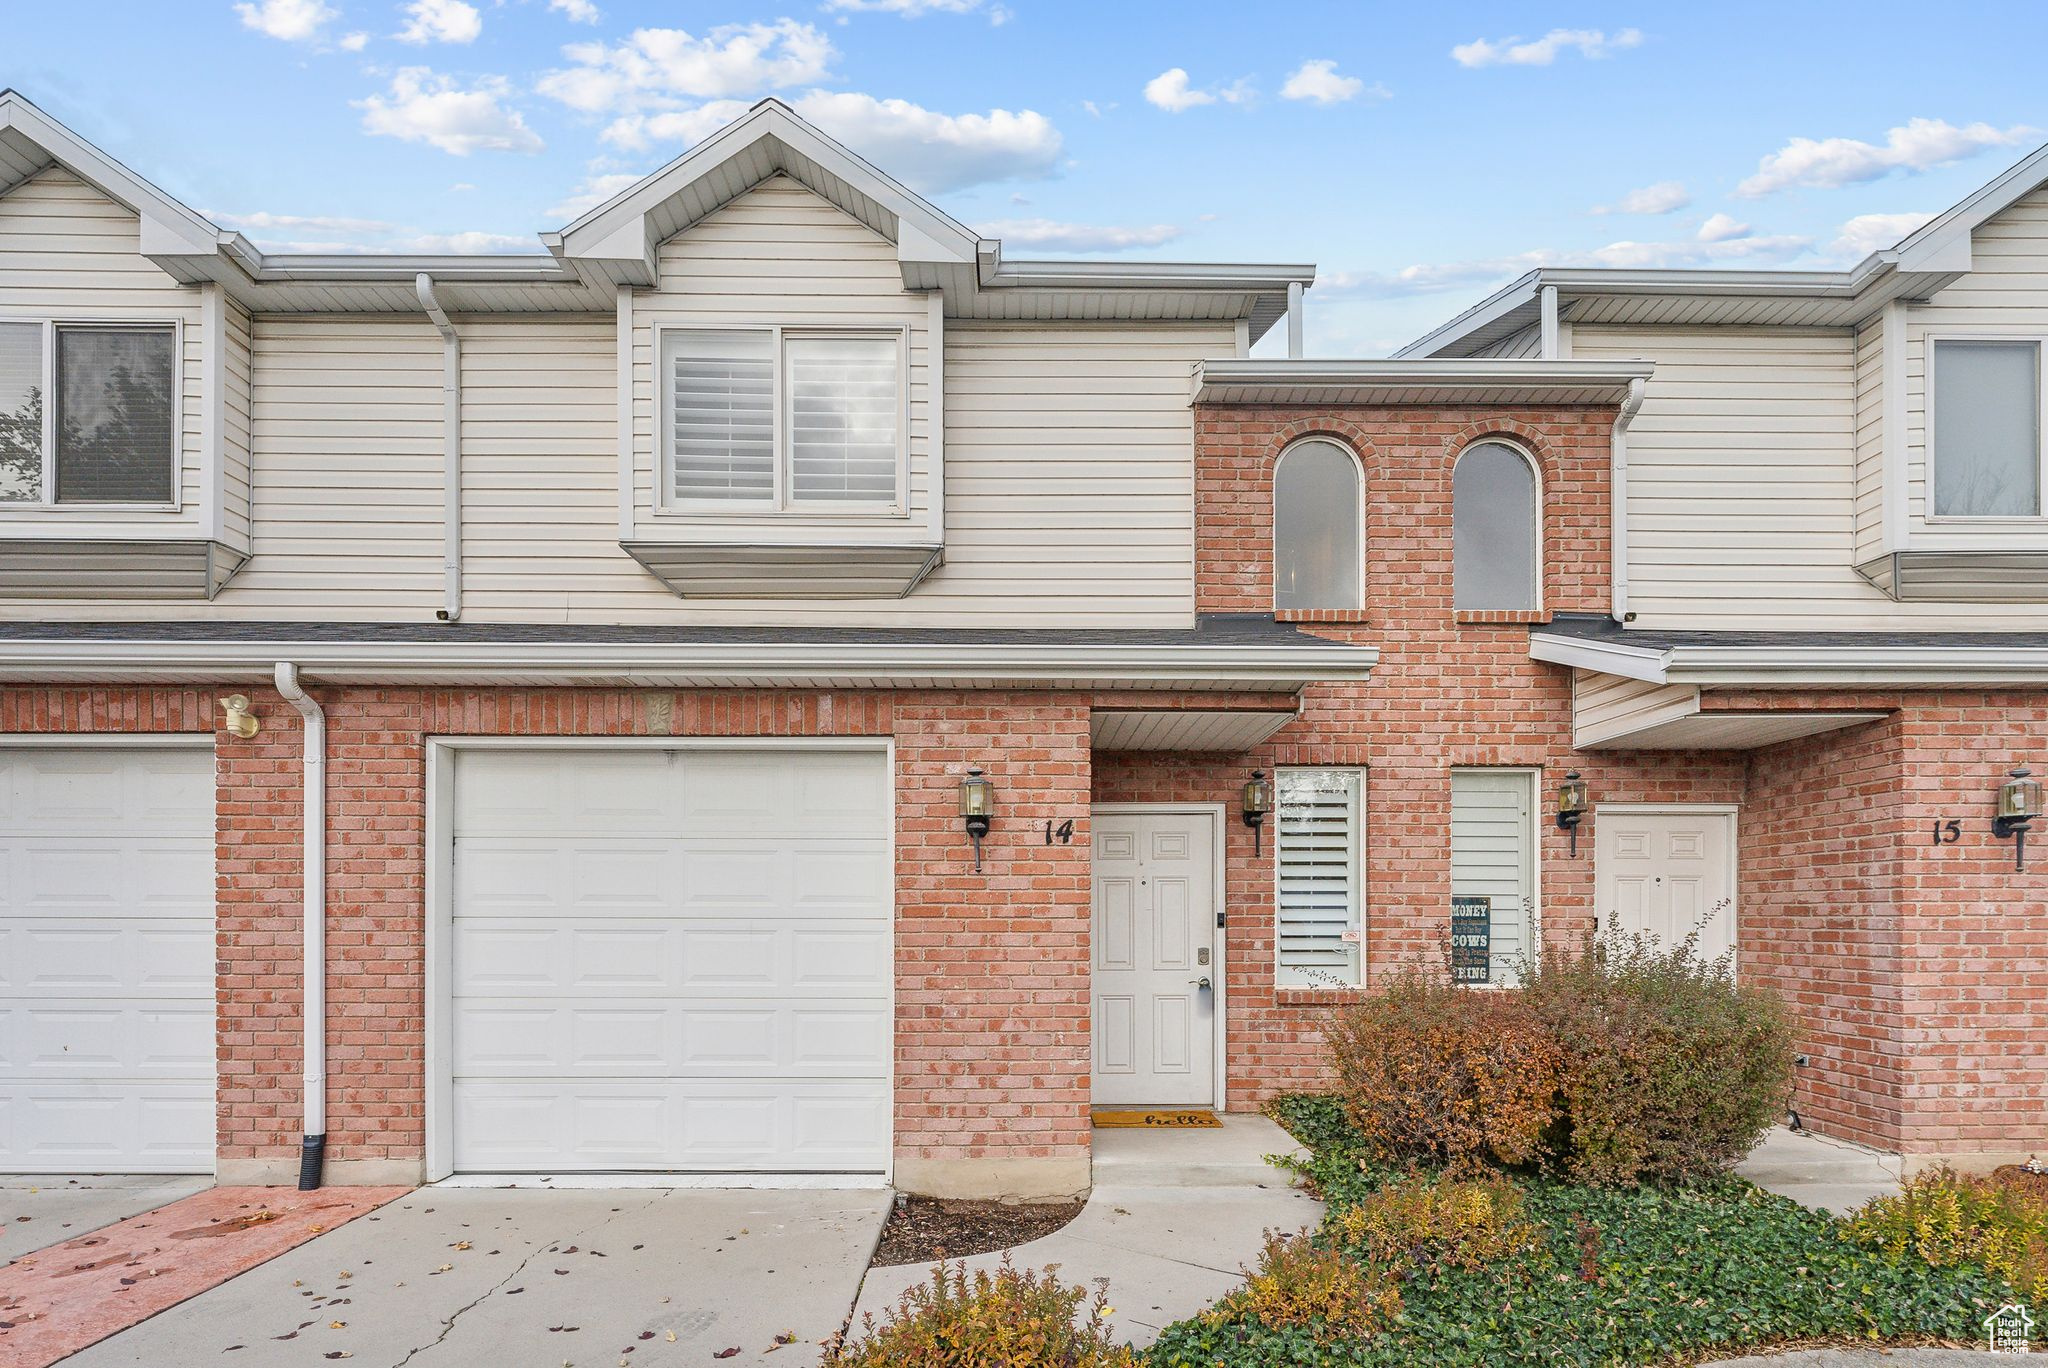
x,y
1202,982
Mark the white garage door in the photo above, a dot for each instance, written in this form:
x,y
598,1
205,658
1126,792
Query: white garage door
x,y
106,959
670,960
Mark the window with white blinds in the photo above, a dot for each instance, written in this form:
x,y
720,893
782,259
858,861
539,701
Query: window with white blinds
x,y
720,402
771,418
111,434
1320,900
1493,856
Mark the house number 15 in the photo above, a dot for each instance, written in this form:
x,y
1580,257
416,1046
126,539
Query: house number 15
x,y
1948,833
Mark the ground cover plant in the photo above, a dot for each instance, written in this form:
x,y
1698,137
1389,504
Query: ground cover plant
x,y
1566,1273
1008,1318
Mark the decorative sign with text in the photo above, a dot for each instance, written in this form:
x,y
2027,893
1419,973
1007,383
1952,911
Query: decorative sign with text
x,y
1471,939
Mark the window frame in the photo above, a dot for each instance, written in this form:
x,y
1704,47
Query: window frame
x,y
1930,341
1532,932
1358,879
1273,494
781,504
50,325
1539,598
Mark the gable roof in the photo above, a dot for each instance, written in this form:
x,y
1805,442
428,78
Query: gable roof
x,y
614,244
1923,262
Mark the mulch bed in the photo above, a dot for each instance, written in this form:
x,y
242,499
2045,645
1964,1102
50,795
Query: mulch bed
x,y
927,1229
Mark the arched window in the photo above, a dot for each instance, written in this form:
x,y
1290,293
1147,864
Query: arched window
x,y
1316,527
1493,529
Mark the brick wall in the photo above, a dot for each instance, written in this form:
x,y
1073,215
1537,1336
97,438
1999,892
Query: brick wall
x,y
992,988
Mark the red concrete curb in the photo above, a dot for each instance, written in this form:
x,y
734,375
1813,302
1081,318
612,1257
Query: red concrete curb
x,y
61,1299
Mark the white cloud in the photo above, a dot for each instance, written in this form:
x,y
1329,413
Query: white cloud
x,y
441,21
931,152
1867,233
1724,228
593,191
291,21
354,42
329,234
425,107
465,244
260,223
654,67
1918,145
1665,197
1048,235
1170,91
577,11
1317,79
1590,43
1434,278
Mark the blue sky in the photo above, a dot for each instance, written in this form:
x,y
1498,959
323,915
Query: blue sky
x,y
1419,155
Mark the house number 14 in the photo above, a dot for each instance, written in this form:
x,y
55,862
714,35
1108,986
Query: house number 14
x,y
1063,833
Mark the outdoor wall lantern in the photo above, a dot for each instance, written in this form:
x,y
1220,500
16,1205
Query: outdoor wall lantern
x,y
237,718
977,807
2019,803
1572,796
1257,801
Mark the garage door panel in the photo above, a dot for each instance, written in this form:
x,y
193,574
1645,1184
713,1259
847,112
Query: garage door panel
x,y
672,960
107,959
111,1128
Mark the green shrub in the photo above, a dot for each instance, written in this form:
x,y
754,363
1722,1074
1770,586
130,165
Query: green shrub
x,y
1668,1069
1947,1218
1429,1070
1004,1319
1303,1285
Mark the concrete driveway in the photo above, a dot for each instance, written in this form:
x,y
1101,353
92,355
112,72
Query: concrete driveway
x,y
37,1211
449,1278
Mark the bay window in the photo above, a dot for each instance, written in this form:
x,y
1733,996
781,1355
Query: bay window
x,y
770,419
1986,397
110,435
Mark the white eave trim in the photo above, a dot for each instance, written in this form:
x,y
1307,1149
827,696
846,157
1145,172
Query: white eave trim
x,y
904,664
1258,380
1630,662
1906,666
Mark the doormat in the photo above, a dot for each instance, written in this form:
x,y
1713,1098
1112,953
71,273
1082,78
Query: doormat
x,y
1184,1118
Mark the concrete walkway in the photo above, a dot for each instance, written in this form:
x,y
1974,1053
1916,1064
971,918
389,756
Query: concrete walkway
x,y
1829,1175
1173,1218
450,1278
39,1210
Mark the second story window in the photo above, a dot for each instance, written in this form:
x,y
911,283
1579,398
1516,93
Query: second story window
x,y
772,418
110,436
1316,527
1987,429
1493,530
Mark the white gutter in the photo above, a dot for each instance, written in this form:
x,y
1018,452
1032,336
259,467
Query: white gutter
x,y
313,918
451,448
1630,662
790,664
1617,493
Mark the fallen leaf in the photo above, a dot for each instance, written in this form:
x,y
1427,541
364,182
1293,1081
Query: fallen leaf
x,y
344,1274
444,1268
671,1337
727,1353
462,1244
316,1229
337,1353
646,1334
786,1337
337,1325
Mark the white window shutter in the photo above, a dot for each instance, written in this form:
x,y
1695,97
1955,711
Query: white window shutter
x,y
1320,814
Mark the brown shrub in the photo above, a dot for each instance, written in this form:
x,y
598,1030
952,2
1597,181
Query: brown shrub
x,y
1300,1283
1426,1222
1429,1070
1007,1318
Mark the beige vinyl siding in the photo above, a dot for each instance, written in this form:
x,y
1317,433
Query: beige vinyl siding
x,y
779,254
235,405
1605,706
69,252
1869,492
345,423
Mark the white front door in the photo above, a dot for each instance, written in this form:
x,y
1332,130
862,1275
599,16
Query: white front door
x,y
673,959
1667,872
106,959
1154,950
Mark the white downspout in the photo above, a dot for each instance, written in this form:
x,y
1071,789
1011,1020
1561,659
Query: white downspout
x,y
313,768
451,444
1617,518
1294,319
1548,331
